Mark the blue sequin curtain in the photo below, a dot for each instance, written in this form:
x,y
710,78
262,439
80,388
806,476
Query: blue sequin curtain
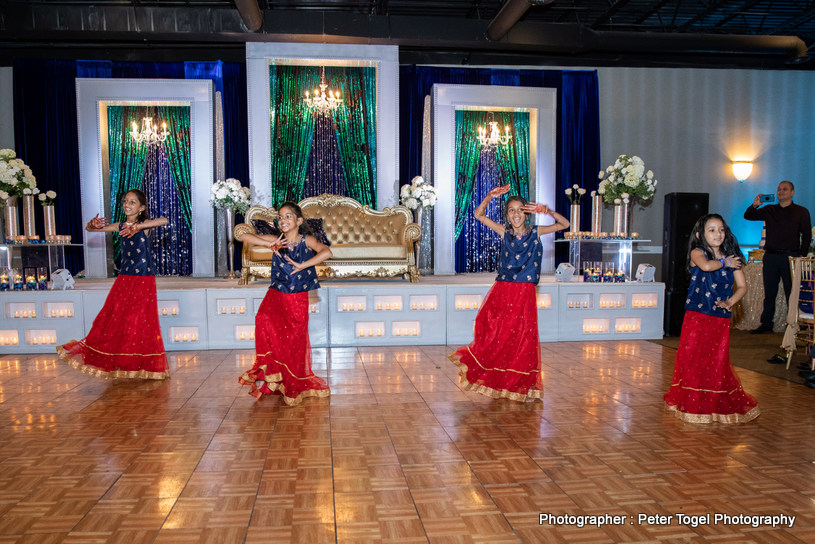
x,y
162,172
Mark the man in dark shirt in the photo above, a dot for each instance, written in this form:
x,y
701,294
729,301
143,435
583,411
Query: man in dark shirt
x,y
788,234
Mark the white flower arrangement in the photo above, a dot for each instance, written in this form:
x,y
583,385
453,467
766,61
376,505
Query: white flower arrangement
x,y
16,178
625,180
47,198
230,194
418,193
575,194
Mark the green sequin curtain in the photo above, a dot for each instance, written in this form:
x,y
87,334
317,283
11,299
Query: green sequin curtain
x,y
513,159
127,160
468,155
292,129
178,148
356,129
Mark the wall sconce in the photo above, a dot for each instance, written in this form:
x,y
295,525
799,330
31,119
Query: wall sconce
x,y
742,170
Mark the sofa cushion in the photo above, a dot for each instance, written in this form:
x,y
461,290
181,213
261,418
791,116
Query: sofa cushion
x,y
347,225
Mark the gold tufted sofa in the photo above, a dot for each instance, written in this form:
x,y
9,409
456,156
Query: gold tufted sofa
x,y
365,242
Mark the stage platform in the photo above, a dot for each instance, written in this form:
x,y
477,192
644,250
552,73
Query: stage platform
x,y
216,313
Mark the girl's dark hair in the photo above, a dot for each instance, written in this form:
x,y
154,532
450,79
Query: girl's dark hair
x,y
523,202
730,246
143,216
305,228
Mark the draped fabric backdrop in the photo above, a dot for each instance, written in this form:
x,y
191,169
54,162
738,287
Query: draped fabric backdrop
x,y
578,120
479,170
162,171
316,153
45,128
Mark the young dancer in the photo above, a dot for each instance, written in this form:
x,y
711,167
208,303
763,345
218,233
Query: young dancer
x,y
503,359
705,388
283,350
125,339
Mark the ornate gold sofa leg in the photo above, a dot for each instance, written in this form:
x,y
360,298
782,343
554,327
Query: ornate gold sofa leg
x,y
413,273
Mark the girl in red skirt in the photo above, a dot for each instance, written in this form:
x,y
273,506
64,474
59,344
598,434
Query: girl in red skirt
x,y
503,359
283,361
125,339
705,388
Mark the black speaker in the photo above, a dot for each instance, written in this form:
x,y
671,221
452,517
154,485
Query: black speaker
x,y
682,210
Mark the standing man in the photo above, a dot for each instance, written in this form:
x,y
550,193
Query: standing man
x,y
788,235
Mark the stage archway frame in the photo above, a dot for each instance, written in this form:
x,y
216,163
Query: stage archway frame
x,y
541,103
92,98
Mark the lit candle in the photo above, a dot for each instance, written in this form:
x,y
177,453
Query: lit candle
x,y
53,313
15,341
422,306
432,305
193,337
25,313
458,305
17,314
223,309
379,306
397,333
397,307
252,335
379,332
571,304
53,339
242,310
232,310
34,340
70,313
344,307
243,336
174,311
413,306
185,337
387,306
585,303
466,305
370,332
360,307
360,333
164,311
33,313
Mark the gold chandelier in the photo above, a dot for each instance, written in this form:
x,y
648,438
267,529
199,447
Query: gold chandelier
x,y
149,132
494,138
323,101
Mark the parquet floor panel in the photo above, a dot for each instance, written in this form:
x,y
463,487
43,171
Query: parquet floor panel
x,y
398,453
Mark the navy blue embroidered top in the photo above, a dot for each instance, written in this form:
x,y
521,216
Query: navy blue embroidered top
x,y
304,280
708,287
520,259
136,259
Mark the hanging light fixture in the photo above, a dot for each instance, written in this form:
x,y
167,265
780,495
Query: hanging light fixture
x,y
324,100
149,132
493,138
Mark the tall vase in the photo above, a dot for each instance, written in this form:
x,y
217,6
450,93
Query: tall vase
x,y
621,218
29,227
424,258
10,219
50,222
230,226
574,218
597,214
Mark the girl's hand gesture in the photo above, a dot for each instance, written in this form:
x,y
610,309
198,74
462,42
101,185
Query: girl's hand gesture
x,y
731,261
96,223
277,244
128,230
499,190
295,266
533,207
724,304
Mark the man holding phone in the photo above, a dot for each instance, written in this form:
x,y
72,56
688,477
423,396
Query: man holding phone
x,y
788,234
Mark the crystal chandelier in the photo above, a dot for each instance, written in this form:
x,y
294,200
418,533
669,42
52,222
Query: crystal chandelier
x,y
323,101
494,138
149,132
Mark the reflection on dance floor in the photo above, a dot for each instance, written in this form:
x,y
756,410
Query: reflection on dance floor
x,y
397,453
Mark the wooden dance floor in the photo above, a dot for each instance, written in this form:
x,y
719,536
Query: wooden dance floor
x,y
397,454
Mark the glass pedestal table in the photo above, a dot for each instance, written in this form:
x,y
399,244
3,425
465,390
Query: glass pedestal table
x,y
21,256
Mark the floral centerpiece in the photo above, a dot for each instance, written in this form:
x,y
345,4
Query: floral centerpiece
x,y
47,198
417,194
626,179
575,194
16,178
230,194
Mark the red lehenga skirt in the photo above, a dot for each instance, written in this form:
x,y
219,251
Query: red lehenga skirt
x,y
283,361
125,339
503,360
705,388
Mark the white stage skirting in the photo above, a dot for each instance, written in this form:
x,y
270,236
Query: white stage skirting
x,y
201,314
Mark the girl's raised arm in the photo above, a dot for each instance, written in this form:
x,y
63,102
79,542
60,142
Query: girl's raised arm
x,y
100,224
560,223
481,211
